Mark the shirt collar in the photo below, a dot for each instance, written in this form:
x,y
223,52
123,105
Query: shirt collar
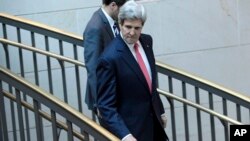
x,y
110,20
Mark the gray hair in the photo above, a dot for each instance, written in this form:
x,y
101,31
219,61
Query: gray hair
x,y
132,11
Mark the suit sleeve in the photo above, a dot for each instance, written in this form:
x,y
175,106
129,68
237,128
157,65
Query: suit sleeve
x,y
106,100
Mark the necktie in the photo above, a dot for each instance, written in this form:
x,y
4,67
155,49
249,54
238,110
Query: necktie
x,y
116,30
142,66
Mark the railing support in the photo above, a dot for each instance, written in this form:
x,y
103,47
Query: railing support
x,y
3,123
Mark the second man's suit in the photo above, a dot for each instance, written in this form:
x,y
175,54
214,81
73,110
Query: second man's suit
x,y
97,35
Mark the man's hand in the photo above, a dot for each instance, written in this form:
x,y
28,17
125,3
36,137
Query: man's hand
x,y
164,120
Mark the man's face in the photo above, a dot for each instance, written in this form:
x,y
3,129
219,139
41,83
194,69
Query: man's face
x,y
131,30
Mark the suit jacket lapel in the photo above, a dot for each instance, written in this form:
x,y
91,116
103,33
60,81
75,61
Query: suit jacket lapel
x,y
149,54
132,63
106,23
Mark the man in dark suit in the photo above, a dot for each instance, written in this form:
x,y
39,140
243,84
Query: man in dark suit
x,y
97,35
127,100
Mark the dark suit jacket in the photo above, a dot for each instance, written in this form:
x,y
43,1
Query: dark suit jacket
x,y
124,100
97,35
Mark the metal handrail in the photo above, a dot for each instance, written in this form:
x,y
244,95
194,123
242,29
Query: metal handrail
x,y
197,106
40,28
45,115
202,82
47,53
38,94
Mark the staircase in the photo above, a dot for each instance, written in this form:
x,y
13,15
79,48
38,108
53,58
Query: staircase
x,y
43,77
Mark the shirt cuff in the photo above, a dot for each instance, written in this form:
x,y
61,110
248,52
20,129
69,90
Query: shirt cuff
x,y
124,138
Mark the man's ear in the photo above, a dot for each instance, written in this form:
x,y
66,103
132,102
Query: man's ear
x,y
113,4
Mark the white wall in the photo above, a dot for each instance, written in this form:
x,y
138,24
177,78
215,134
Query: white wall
x,y
207,38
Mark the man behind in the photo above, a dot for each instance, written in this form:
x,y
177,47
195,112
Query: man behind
x,y
129,104
97,35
